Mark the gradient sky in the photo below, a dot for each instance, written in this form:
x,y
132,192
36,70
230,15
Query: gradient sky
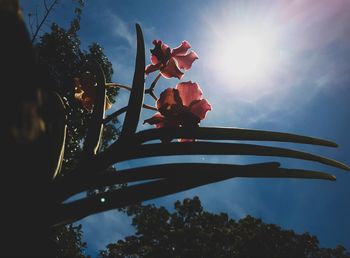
x,y
291,74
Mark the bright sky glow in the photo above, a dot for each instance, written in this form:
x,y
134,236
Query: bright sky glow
x,y
245,54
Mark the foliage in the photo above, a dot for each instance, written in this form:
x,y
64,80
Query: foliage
x,y
60,59
190,231
60,55
68,242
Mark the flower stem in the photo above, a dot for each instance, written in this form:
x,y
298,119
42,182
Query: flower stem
x,y
149,107
114,115
112,84
155,82
150,90
122,110
153,95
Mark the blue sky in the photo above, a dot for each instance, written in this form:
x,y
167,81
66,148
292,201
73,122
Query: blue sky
x,y
273,65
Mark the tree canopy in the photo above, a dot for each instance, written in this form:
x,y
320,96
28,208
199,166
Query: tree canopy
x,y
190,231
60,55
60,59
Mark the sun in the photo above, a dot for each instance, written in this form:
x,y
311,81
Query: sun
x,y
246,57
246,54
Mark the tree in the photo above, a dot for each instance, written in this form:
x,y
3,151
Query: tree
x,y
190,231
69,242
61,59
60,55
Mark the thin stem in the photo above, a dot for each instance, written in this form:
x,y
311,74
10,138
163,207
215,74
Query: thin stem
x,y
45,5
44,19
113,84
155,82
122,110
153,95
150,90
149,107
115,115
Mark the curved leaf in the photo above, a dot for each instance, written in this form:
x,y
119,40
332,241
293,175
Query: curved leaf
x,y
95,126
137,91
210,148
180,179
74,184
221,133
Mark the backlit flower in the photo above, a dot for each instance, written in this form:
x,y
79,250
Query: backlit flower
x,y
180,107
170,61
85,91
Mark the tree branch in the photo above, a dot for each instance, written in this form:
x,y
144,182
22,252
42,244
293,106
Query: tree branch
x,y
48,10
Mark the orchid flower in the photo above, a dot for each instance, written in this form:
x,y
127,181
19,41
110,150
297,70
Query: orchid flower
x,y
180,107
170,61
85,91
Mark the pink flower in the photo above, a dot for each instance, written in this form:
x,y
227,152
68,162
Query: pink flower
x,y
85,91
170,61
180,107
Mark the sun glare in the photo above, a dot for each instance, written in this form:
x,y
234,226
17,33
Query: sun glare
x,y
246,54
247,57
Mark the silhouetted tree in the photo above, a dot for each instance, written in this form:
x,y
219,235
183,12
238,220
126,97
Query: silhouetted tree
x,y
190,231
60,56
69,242
60,59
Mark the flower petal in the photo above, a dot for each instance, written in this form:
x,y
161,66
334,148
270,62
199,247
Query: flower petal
x,y
189,92
157,120
171,70
169,102
166,98
182,49
151,68
200,108
154,60
158,43
185,62
161,52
